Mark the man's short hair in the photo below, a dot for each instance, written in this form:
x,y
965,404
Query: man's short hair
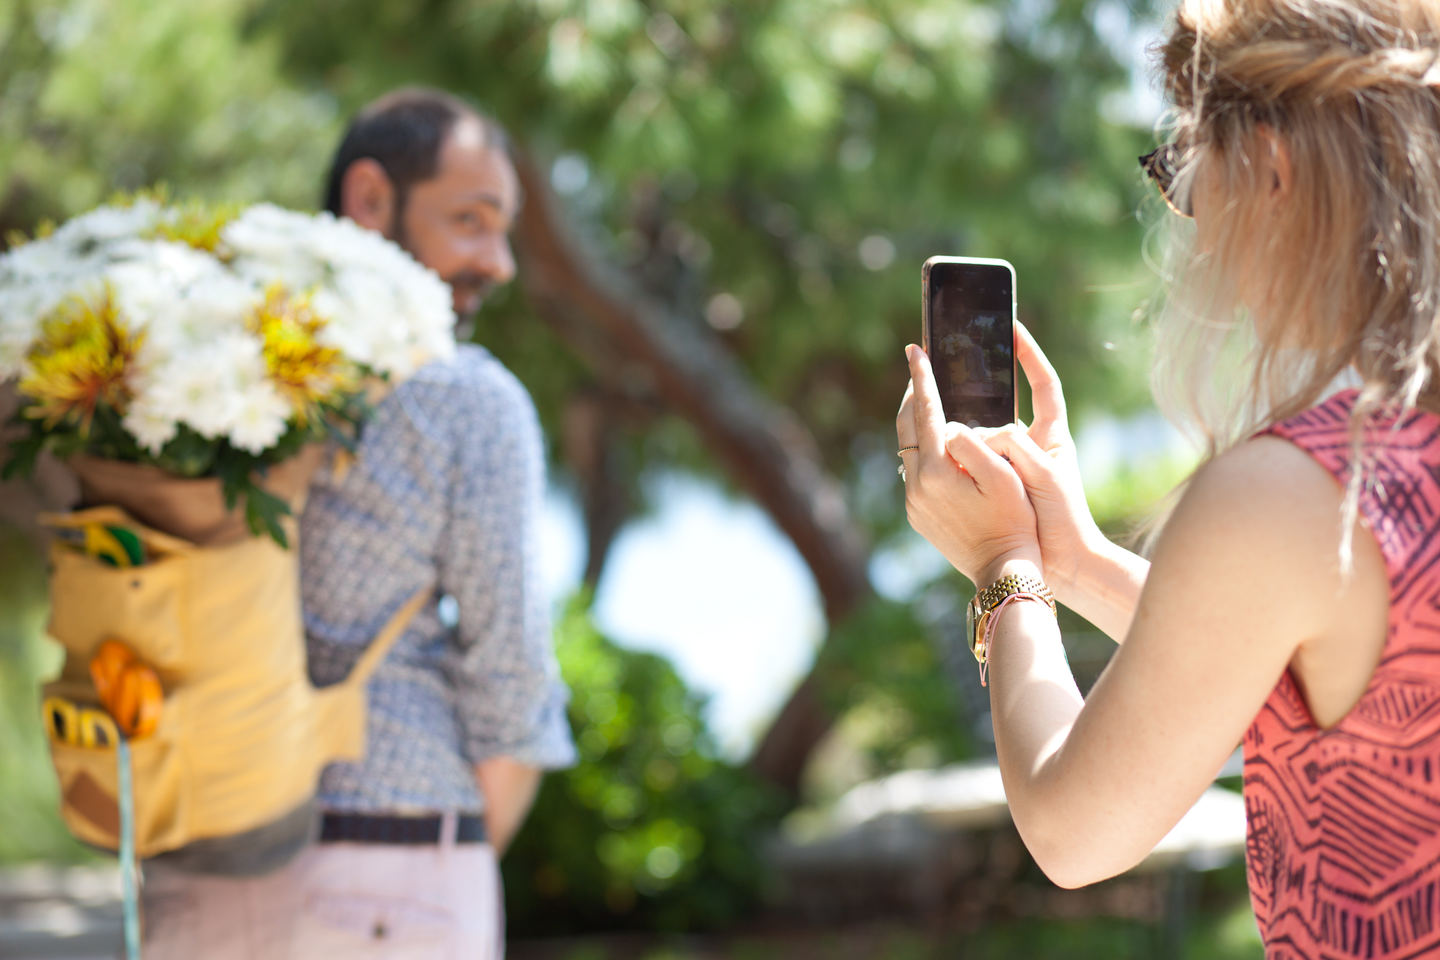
x,y
404,132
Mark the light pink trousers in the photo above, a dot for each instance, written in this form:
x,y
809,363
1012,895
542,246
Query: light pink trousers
x,y
344,900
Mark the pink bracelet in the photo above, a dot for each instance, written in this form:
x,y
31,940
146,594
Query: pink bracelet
x,y
994,619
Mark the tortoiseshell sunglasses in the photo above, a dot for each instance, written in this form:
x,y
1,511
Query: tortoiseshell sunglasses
x,y
1161,165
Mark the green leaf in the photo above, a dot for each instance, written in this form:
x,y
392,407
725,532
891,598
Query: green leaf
x,y
189,454
263,512
234,480
22,455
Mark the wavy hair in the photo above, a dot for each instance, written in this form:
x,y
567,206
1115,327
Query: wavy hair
x,y
1274,303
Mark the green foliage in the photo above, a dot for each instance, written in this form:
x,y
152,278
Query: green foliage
x,y
1136,494
651,830
29,795
115,95
886,663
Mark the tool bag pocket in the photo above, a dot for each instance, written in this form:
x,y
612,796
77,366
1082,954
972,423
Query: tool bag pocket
x,y
89,783
143,605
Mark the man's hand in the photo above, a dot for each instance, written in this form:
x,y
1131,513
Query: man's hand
x,y
509,789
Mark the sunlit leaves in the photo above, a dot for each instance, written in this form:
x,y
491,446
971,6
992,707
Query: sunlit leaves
x,y
652,828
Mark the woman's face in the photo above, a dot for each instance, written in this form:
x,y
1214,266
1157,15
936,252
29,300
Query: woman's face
x,y
1235,207
1209,203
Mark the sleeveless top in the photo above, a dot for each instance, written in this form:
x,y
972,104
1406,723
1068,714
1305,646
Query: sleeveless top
x,y
1343,825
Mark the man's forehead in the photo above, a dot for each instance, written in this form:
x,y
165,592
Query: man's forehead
x,y
473,170
467,133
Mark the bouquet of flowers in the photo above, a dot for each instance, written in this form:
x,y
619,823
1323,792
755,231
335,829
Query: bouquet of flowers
x,y
208,341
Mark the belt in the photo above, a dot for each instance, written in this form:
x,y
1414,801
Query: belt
x,y
367,828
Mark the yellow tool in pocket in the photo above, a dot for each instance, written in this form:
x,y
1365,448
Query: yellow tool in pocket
x,y
114,545
79,725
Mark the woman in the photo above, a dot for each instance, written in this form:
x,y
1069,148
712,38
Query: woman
x,y
1293,598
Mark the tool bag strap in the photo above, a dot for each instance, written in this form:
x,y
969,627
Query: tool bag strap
x,y
385,639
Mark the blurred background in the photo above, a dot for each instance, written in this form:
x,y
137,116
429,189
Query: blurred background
x,y
784,748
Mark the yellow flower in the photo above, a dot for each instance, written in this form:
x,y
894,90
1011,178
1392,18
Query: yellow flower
x,y
197,224
305,371
79,362
18,238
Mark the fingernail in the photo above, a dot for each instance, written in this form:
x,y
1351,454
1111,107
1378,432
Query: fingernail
x,y
910,351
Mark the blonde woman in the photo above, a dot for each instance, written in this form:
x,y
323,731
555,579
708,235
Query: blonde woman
x,y
1293,598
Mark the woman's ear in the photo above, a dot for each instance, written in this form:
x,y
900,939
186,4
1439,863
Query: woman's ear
x,y
1274,160
367,196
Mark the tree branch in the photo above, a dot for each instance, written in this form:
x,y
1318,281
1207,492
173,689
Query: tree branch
x,y
763,447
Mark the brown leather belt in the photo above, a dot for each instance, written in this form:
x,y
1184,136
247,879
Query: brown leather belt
x,y
411,831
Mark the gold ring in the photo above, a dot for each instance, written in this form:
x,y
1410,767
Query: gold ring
x,y
904,450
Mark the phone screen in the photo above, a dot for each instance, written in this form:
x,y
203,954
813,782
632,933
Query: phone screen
x,y
970,339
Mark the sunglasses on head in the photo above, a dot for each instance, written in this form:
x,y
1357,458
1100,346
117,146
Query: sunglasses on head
x,y
1161,165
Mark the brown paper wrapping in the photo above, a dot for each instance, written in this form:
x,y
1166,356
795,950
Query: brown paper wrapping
x,y
190,508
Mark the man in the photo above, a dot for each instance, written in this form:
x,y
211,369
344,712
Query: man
x,y
466,709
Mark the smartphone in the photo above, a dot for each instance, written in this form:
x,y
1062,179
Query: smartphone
x,y
968,328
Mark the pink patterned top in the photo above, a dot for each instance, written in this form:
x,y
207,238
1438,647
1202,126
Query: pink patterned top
x,y
1343,848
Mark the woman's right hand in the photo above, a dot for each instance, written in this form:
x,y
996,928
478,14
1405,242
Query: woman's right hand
x,y
1044,456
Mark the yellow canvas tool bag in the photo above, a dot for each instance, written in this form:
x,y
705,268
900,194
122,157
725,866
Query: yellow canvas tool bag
x,y
230,771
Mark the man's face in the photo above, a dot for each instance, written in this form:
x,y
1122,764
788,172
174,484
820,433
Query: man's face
x,y
458,222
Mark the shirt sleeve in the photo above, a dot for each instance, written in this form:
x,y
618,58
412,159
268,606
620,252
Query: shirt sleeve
x,y
510,700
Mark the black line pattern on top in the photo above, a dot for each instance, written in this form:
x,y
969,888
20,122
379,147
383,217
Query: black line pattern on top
x,y
1343,841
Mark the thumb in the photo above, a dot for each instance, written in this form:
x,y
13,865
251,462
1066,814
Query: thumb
x,y
1036,468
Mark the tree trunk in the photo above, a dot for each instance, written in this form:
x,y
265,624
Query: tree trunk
x,y
589,435
631,342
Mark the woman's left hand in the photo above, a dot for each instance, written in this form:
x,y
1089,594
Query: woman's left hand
x,y
959,494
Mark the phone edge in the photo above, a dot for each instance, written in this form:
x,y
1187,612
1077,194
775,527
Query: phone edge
x,y
1014,315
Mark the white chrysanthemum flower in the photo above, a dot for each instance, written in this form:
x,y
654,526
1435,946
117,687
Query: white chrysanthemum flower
x,y
262,418
22,307
217,305
200,363
151,427
80,246
385,310
203,386
297,273
148,290
267,233
44,263
110,223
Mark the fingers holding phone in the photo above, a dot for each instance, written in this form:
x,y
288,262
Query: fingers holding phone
x,y
960,495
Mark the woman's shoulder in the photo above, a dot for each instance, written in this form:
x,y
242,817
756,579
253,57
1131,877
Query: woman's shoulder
x,y
1260,505
1268,480
1256,533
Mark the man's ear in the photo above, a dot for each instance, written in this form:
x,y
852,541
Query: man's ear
x,y
367,196
1275,163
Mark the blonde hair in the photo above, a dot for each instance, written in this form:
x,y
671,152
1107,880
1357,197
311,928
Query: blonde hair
x,y
1345,274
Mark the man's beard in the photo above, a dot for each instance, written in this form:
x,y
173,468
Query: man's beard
x,y
472,286
466,281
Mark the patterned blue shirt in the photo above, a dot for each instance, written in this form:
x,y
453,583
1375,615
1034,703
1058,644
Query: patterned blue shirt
x,y
446,490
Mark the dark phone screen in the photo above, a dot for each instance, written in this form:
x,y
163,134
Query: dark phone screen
x,y
972,342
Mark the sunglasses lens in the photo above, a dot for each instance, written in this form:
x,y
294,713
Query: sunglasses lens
x,y
1161,165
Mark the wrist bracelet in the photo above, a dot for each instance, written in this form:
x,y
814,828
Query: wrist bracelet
x,y
983,653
